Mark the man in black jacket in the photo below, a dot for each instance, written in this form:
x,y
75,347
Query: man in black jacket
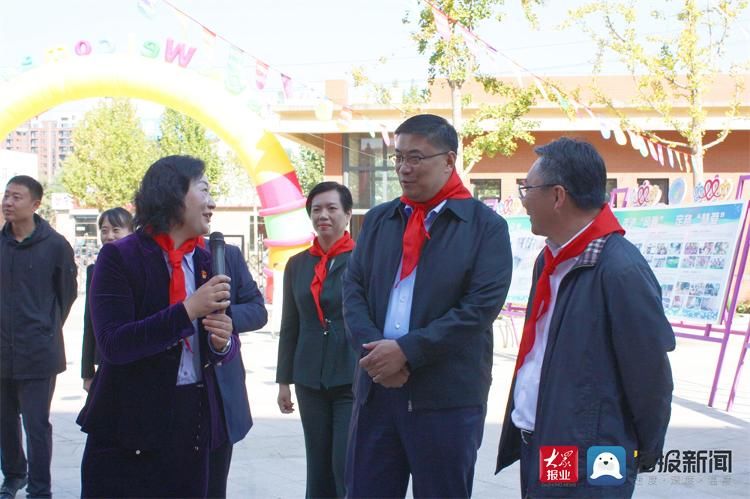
x,y
38,286
428,277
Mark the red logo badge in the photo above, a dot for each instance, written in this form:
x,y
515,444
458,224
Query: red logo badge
x,y
558,464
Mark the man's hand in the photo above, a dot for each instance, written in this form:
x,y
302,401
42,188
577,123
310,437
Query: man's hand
x,y
220,328
384,359
397,380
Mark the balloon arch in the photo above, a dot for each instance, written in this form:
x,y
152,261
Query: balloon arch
x,y
41,88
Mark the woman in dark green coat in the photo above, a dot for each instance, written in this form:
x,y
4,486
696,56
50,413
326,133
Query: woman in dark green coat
x,y
314,353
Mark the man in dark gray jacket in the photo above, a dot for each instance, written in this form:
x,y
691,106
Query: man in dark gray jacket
x,y
591,394
37,289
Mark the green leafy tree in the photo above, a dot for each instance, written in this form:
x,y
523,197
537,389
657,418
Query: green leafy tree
x,y
495,128
181,134
110,155
309,167
672,70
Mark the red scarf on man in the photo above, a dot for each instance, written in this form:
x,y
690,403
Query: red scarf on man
x,y
345,243
415,233
604,224
177,292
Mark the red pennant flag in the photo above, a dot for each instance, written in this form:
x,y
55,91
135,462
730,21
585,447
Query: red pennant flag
x,y
209,37
441,23
286,84
261,74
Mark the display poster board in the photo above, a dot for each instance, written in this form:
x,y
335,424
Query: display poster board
x,y
525,247
690,249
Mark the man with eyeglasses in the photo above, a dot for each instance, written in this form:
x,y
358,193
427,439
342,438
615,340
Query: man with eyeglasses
x,y
428,277
592,368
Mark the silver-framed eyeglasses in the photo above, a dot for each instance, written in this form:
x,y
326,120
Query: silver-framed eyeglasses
x,y
412,160
522,188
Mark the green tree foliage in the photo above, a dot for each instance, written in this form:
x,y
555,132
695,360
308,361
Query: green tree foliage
x,y
497,127
309,167
110,155
181,134
676,68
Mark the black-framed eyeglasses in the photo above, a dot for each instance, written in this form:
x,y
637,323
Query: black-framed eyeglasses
x,y
412,160
522,188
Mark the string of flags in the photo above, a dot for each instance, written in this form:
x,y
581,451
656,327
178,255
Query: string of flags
x,y
646,145
263,71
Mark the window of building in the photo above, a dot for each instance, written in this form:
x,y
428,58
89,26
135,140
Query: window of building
x,y
487,188
367,171
663,184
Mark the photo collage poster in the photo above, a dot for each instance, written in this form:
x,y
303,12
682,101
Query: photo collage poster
x,y
690,249
525,247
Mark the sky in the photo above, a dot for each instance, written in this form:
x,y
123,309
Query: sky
x,y
311,41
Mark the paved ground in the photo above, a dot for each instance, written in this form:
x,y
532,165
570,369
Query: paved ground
x,y
270,462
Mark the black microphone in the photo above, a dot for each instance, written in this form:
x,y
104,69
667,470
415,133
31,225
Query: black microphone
x,y
216,244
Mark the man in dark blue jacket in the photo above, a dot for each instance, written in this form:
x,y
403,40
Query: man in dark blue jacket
x,y
429,275
248,314
37,289
592,372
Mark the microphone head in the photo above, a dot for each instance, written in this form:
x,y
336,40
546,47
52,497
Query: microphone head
x,y
216,236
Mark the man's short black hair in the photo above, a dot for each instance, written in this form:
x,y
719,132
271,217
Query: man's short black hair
x,y
577,166
160,200
344,194
35,188
435,128
117,217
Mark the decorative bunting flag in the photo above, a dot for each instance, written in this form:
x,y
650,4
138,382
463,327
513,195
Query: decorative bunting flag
x,y
441,23
671,157
633,139
209,37
605,130
543,92
619,135
286,84
687,162
147,8
679,161
660,151
652,149
261,74
384,133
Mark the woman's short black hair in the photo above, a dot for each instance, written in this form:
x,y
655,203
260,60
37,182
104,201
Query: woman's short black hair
x,y
117,217
344,194
160,200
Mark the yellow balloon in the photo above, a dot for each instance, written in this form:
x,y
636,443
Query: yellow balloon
x,y
204,99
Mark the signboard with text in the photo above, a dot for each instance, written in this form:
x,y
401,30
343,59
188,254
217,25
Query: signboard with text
x,y
690,249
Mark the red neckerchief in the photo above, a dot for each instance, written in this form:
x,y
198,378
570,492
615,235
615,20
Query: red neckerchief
x,y
604,224
177,291
415,233
342,245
